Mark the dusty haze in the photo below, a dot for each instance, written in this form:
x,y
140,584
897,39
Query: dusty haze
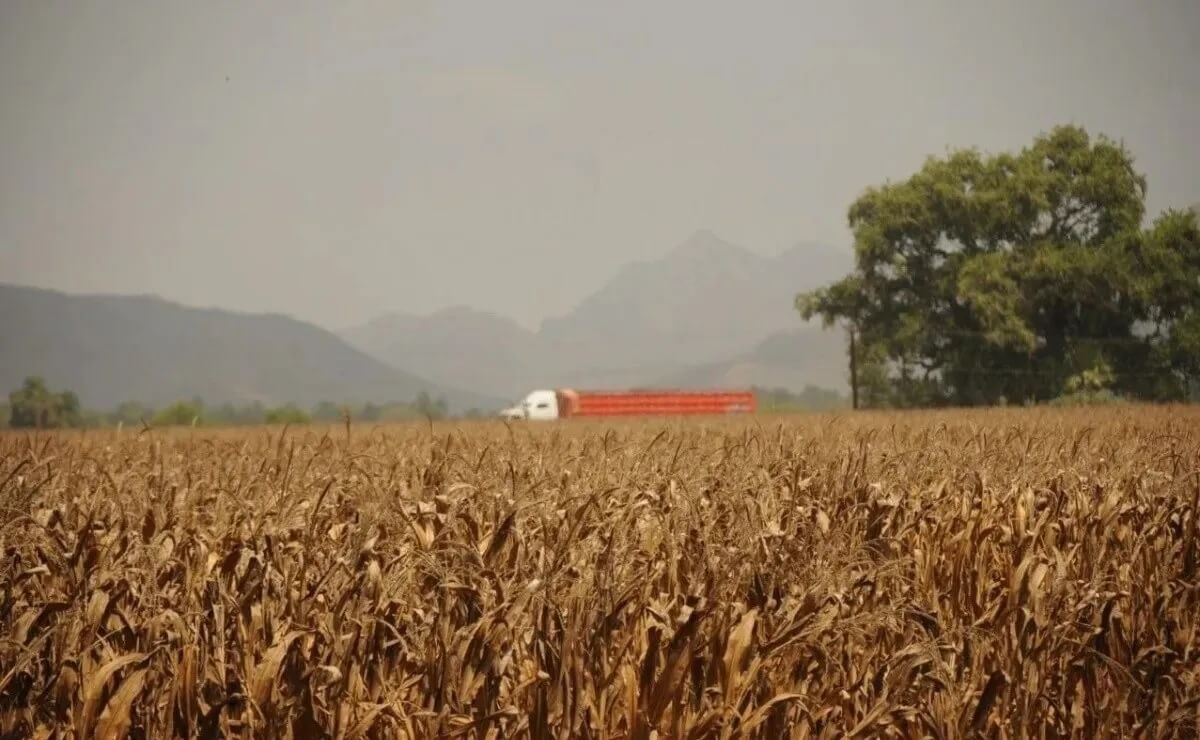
x,y
340,160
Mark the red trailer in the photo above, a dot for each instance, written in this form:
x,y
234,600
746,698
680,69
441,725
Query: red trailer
x,y
653,403
561,403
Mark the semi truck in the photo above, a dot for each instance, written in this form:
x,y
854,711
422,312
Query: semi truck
x,y
563,403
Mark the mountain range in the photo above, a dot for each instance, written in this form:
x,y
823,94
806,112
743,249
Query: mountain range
x,y
708,313
110,349
791,359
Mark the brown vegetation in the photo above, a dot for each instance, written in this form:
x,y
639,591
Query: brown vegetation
x,y
925,574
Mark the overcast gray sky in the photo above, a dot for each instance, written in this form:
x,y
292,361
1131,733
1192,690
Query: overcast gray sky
x,y
337,160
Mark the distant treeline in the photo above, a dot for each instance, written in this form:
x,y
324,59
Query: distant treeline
x,y
812,398
35,405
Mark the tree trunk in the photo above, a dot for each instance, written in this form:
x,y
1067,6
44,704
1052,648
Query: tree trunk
x,y
853,369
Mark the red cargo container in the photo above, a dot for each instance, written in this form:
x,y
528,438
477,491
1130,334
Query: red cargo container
x,y
653,403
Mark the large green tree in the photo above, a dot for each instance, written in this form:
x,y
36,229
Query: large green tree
x,y
34,405
1018,276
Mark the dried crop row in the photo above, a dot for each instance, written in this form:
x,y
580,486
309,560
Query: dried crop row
x,y
926,574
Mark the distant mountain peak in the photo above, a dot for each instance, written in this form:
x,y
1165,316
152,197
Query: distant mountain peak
x,y
706,242
705,300
703,235
463,311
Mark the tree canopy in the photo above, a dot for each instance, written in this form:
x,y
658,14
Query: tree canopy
x,y
181,413
289,414
1019,277
34,405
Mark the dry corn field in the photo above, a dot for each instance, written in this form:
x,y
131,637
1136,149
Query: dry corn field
x,y
997,573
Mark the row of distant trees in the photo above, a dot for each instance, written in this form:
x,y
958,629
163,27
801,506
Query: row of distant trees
x,y
812,398
36,406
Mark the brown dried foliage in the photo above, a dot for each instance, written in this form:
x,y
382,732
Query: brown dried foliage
x,y
999,573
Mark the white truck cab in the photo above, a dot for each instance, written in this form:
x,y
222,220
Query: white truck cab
x,y
537,406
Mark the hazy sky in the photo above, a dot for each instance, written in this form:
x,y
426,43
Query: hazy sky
x,y
337,160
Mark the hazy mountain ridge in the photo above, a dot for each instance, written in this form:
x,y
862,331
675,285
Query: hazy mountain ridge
x,y
460,347
706,313
706,300
790,359
110,349
678,316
